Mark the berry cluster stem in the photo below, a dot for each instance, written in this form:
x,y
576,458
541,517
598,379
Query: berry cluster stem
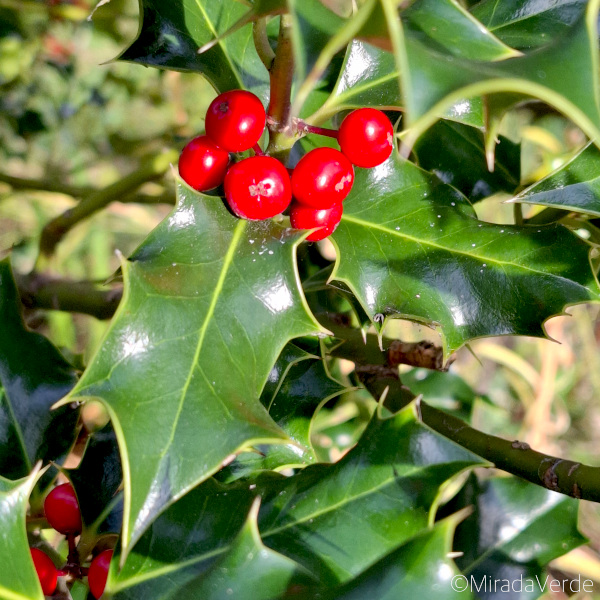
x,y
304,127
281,74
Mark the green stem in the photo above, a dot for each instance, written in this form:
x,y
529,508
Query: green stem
x,y
151,169
279,122
40,291
21,183
261,42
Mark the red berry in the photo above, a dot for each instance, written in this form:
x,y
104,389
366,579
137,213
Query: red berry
x,y
46,571
366,137
62,509
98,572
323,177
305,217
258,188
202,164
235,120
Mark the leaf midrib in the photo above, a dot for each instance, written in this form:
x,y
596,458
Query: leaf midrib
x,y
368,224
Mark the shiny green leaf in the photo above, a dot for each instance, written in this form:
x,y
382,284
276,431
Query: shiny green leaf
x,y
210,301
336,520
527,25
456,30
420,568
574,186
456,154
172,32
416,251
33,376
516,529
18,580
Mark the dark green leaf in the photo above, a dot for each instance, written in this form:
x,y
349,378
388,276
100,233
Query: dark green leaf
x,y
19,580
34,376
527,25
98,476
172,32
417,251
210,301
516,529
456,154
574,186
420,568
453,28
336,520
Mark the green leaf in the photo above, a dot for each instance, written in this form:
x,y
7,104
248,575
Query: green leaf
x,y
172,32
33,376
335,520
416,251
19,580
369,77
432,81
248,571
456,154
98,477
516,528
527,25
574,186
456,30
210,300
420,568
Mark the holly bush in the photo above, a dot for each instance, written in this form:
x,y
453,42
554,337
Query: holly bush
x,y
253,423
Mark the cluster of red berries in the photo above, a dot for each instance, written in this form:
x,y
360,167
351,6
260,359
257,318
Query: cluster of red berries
x,y
260,187
62,513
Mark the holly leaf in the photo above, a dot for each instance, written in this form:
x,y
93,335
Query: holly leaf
x,y
98,477
419,568
171,33
574,186
516,527
528,25
316,517
210,300
456,154
33,376
19,580
369,77
432,80
416,251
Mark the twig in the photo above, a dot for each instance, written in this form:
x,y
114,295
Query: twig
x,y
261,42
21,183
151,169
41,291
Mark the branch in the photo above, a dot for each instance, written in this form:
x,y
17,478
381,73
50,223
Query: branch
x,y
261,42
42,291
279,121
151,169
517,458
20,183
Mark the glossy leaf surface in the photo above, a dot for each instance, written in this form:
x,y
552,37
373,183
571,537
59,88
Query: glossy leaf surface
x,y
530,24
333,522
456,154
33,376
417,251
18,580
211,300
574,186
515,530
172,32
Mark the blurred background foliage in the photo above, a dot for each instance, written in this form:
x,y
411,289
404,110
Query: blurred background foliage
x,y
73,120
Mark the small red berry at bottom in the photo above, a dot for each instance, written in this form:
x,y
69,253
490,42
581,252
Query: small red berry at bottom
x,y
305,217
366,137
323,177
46,571
98,573
62,509
202,164
258,188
